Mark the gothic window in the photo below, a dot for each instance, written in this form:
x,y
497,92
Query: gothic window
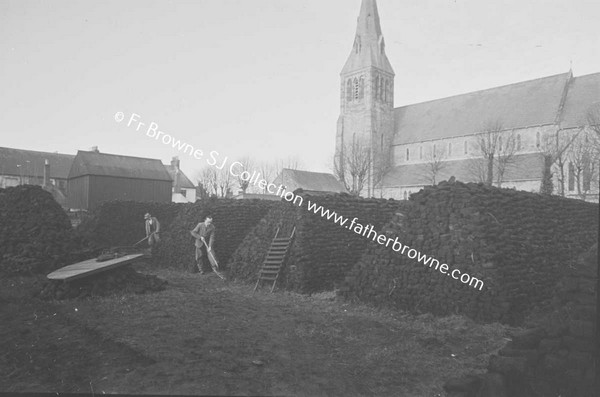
x,y
433,154
420,152
361,88
388,91
384,95
381,88
357,44
449,148
407,154
356,88
537,139
571,177
518,141
466,148
349,90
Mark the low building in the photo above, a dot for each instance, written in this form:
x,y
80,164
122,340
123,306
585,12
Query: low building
x,y
183,190
29,167
257,196
97,177
309,182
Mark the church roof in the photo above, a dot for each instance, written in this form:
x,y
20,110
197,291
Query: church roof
x,y
525,168
102,164
583,94
519,105
310,181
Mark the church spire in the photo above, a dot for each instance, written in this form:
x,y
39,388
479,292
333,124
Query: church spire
x,y
369,46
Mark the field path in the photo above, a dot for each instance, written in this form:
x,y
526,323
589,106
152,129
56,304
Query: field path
x,y
203,336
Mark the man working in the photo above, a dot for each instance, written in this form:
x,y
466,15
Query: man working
x,y
204,234
152,230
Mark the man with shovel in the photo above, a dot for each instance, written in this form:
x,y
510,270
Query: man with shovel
x,y
204,233
152,230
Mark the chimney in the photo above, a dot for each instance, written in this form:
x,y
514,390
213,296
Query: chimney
x,y
94,149
175,163
177,187
46,182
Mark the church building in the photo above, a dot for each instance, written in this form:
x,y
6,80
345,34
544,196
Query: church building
x,y
530,135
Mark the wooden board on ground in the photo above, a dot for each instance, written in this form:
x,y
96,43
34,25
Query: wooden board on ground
x,y
91,266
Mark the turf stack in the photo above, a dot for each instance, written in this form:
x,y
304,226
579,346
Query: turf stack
x,y
121,223
322,250
35,233
233,219
514,241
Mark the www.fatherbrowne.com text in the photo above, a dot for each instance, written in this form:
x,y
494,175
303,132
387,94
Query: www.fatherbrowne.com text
x,y
237,170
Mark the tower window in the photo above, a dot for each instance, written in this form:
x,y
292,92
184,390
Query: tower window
x,y
407,154
381,88
449,148
433,154
420,152
466,148
349,90
356,88
518,141
361,88
537,139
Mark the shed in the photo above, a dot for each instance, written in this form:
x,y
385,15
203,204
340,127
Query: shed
x,y
97,177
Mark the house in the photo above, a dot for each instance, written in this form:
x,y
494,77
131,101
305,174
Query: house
x,y
96,177
309,182
183,190
508,135
50,170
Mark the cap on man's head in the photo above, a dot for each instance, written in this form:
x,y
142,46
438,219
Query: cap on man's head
x,y
147,216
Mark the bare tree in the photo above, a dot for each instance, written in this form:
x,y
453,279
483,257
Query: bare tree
x,y
507,149
435,162
583,156
225,182
554,147
268,172
247,165
207,177
494,150
352,165
486,146
382,164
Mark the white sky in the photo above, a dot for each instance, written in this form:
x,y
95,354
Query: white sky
x,y
256,77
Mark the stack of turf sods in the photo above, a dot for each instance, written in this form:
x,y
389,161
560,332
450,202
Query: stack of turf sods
x,y
233,219
323,250
245,262
121,280
514,242
35,232
121,223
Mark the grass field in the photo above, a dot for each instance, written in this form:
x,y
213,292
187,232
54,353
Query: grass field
x,y
205,336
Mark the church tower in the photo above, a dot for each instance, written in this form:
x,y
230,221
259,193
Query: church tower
x,y
367,94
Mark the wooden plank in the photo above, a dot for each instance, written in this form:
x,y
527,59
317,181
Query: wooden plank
x,y
91,266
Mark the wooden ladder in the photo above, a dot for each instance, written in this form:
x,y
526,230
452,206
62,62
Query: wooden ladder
x,y
273,263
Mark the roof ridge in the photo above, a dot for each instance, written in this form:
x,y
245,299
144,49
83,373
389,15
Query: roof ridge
x,y
483,90
119,155
35,151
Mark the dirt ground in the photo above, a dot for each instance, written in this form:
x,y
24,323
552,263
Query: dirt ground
x,y
204,336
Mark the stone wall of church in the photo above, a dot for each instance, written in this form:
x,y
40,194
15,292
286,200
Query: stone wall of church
x,y
515,242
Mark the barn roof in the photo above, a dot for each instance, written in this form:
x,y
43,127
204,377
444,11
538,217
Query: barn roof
x,y
306,180
526,167
102,164
519,105
32,163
